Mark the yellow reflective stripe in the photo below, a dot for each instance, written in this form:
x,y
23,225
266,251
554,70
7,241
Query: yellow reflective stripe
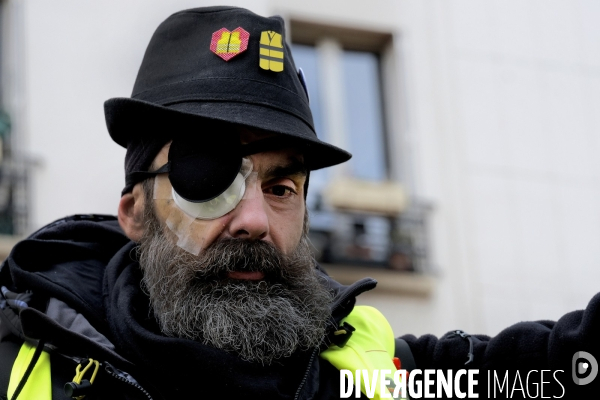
x,y
39,383
370,347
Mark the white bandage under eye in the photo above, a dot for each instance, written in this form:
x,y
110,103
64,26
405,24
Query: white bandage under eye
x,y
223,203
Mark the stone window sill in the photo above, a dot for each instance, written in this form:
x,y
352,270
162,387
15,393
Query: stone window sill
x,y
396,282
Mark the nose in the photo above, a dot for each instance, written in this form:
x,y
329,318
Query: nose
x,y
249,219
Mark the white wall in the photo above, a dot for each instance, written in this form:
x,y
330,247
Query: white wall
x,y
513,160
499,102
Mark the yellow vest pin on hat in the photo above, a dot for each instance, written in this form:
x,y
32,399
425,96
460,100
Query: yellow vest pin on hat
x,y
271,51
228,44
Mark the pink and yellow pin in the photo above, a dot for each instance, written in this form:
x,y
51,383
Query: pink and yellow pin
x,y
228,44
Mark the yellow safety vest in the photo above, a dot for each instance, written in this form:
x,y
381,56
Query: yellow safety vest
x,y
371,346
39,383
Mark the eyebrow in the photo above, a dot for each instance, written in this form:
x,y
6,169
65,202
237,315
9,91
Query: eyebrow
x,y
295,167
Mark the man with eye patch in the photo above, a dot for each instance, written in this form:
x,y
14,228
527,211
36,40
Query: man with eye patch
x,y
204,285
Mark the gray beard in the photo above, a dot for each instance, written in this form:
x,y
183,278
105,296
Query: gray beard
x,y
261,321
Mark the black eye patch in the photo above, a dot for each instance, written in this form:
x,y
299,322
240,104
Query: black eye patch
x,y
201,167
201,170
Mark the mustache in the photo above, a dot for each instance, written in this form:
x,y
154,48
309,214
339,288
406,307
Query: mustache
x,y
244,255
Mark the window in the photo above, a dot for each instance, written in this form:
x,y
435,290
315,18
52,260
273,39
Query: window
x,y
361,107
358,210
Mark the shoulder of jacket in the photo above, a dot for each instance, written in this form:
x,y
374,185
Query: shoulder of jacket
x,y
78,218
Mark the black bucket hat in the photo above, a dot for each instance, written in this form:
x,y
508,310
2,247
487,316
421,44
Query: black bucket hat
x,y
223,64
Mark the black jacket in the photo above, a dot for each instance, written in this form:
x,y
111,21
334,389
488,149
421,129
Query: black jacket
x,y
81,284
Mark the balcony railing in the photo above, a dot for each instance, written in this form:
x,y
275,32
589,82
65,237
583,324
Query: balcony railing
x,y
374,240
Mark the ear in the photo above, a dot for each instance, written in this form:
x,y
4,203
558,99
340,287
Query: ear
x,y
131,211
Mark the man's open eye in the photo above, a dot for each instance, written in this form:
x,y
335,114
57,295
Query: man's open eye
x,y
280,190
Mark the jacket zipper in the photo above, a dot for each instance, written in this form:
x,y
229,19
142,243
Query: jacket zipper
x,y
111,371
310,362
354,291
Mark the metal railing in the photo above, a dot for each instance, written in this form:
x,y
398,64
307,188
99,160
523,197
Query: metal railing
x,y
352,238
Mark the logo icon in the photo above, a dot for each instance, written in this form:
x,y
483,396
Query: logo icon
x,y
271,51
584,367
228,44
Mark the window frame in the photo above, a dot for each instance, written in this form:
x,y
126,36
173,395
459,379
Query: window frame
x,y
340,38
379,43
